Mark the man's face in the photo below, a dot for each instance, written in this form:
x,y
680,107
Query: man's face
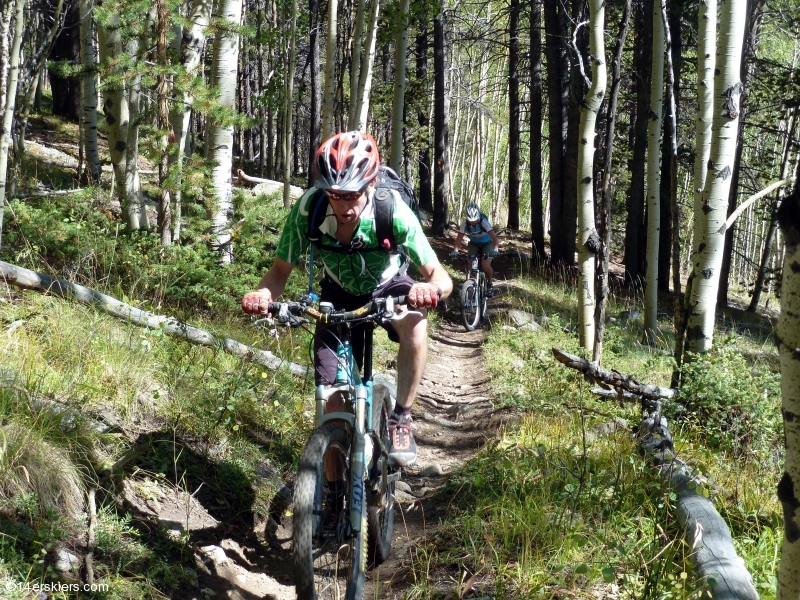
x,y
347,206
472,223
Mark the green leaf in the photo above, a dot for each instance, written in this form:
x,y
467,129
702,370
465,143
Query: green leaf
x,y
582,569
608,574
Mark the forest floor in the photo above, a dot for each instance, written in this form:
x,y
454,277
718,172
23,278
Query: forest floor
x,y
453,417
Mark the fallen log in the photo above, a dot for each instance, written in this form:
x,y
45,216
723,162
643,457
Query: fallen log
x,y
268,186
707,533
705,530
41,282
614,378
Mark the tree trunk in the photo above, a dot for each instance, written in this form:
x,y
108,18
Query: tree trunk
x,y
537,205
700,326
162,89
441,170
556,58
5,26
634,226
89,103
367,60
753,29
706,65
315,122
11,97
288,104
653,176
668,177
66,91
513,122
398,102
225,69
605,214
330,72
193,41
589,241
788,337
423,118
355,64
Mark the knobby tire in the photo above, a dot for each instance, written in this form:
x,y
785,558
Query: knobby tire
x,y
324,557
380,518
470,304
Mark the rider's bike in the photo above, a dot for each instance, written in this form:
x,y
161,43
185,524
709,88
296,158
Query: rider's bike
x,y
335,538
474,299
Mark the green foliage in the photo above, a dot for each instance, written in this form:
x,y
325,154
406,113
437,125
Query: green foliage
x,y
733,406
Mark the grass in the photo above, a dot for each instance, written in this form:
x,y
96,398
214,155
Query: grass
x,y
552,509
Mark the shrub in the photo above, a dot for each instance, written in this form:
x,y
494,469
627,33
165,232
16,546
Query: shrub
x,y
736,406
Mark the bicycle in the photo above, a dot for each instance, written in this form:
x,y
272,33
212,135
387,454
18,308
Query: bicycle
x,y
474,299
331,551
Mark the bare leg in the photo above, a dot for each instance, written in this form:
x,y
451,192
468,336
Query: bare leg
x,y
486,266
411,357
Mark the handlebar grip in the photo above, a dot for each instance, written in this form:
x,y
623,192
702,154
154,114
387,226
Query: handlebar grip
x,y
274,308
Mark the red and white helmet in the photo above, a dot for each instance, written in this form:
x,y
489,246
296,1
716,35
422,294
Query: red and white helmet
x,y
346,162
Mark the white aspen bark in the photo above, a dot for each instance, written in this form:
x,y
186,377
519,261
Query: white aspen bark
x,y
8,112
589,240
706,61
226,66
5,26
707,261
115,113
355,65
329,95
398,102
89,89
133,184
192,42
788,337
287,114
367,60
654,177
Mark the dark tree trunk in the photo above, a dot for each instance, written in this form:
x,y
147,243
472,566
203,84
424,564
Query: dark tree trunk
x,y
537,205
753,30
635,237
423,118
607,196
440,126
556,59
513,125
576,90
675,12
315,124
763,266
67,46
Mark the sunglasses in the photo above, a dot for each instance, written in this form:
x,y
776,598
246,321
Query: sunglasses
x,y
346,197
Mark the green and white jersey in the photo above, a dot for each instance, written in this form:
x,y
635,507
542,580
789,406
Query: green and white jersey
x,y
358,268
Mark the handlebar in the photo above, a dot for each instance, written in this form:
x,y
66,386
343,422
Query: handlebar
x,y
293,313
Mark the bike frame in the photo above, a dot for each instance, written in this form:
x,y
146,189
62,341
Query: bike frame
x,y
357,393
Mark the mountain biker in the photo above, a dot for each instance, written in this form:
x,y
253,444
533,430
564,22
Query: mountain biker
x,y
482,240
358,269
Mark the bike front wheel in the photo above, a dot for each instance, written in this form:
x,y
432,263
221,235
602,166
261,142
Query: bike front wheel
x,y
329,558
470,304
380,515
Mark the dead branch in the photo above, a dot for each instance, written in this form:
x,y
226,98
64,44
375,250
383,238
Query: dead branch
x,y
598,374
41,282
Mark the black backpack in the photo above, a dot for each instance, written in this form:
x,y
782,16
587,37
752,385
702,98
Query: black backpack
x,y
384,209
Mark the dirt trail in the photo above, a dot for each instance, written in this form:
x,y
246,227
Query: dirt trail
x,y
453,418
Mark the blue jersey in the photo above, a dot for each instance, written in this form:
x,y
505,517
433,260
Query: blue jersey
x,y
478,233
